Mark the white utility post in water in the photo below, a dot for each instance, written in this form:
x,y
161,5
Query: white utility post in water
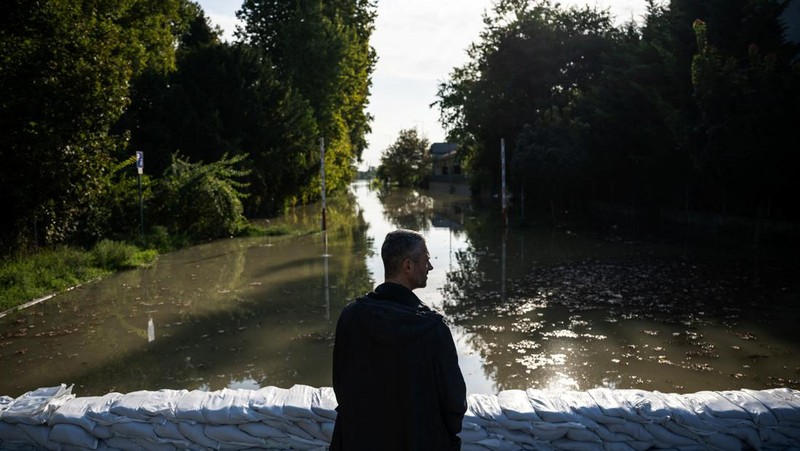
x,y
322,178
503,178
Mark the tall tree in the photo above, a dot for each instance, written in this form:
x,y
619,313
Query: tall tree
x,y
64,79
407,161
531,57
322,50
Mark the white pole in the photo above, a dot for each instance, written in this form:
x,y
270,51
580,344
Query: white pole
x,y
503,177
322,177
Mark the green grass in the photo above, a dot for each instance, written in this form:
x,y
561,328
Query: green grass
x,y
48,271
31,276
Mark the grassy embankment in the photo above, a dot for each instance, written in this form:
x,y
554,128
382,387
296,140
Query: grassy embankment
x,y
24,278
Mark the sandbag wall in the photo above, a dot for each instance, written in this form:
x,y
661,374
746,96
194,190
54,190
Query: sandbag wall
x,y
302,417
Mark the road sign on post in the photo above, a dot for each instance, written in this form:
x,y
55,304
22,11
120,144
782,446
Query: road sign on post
x,y
140,161
140,171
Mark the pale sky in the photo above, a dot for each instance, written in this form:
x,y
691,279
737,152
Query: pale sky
x,y
418,43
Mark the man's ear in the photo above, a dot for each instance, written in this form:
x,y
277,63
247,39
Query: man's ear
x,y
406,265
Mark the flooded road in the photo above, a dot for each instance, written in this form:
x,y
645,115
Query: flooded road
x,y
529,307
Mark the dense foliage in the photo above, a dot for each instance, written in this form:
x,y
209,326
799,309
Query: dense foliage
x,y
406,162
87,83
692,110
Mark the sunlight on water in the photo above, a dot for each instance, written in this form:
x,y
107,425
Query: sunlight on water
x,y
532,307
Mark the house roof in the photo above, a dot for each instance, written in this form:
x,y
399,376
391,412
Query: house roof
x,y
443,150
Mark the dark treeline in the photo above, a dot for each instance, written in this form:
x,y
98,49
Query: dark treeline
x,y
694,109
228,130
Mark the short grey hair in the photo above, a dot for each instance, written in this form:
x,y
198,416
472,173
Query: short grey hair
x,y
399,245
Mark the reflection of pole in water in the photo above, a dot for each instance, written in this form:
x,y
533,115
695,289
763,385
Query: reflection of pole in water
x,y
322,183
151,331
325,257
503,267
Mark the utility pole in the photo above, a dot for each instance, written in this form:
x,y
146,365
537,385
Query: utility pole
x,y
322,178
503,178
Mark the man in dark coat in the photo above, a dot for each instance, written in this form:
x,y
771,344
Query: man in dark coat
x,y
395,366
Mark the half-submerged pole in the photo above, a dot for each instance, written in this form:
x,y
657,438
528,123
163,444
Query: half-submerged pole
x,y
322,179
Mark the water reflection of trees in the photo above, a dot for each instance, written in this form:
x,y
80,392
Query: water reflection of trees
x,y
222,316
545,323
407,208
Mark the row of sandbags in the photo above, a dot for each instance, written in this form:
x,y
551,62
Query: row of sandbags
x,y
302,417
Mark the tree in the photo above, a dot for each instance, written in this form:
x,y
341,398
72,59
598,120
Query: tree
x,y
333,39
406,162
64,79
529,60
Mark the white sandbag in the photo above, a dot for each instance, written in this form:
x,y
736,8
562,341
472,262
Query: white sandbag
x,y
608,436
774,439
297,403
488,408
617,446
189,406
259,429
473,435
269,401
748,435
38,434
312,428
759,413
99,411
194,433
648,405
75,411
102,432
782,402
288,428
549,407
10,433
583,435
678,429
296,442
566,444
327,429
716,405
722,442
35,407
517,437
74,435
684,415
232,435
614,405
160,405
5,401
134,429
168,431
324,403
635,430
585,407
123,443
663,434
551,431
228,406
128,405
516,405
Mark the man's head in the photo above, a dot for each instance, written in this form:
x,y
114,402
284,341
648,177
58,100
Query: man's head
x,y
405,258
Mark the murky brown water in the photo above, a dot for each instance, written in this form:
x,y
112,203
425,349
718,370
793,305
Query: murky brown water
x,y
528,307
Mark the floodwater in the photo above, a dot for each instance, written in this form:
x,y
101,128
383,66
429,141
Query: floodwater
x,y
529,307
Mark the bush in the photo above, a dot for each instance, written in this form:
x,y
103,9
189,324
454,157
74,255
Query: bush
x,y
202,201
112,255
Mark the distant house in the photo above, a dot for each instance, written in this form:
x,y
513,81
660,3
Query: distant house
x,y
447,173
446,161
